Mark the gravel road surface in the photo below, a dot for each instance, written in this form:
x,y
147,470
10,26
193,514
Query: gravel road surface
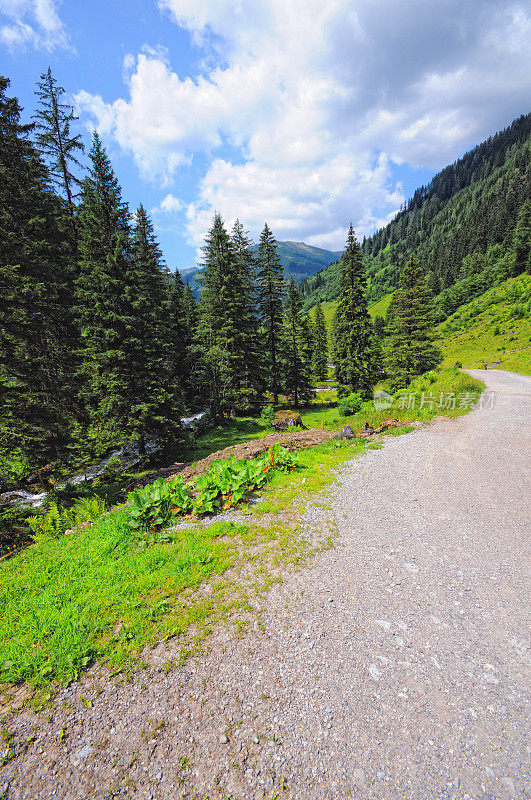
x,y
394,667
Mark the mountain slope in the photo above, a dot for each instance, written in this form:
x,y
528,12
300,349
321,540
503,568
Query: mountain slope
x,y
378,309
460,226
300,260
493,327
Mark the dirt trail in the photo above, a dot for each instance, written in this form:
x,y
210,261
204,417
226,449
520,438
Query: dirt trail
x,y
395,667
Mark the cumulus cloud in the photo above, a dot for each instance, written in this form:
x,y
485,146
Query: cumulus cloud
x,y
32,23
170,203
303,106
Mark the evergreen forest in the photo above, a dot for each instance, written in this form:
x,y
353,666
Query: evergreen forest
x,y
466,228
101,344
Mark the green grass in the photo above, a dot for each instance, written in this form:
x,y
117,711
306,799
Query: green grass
x,y
493,327
378,309
233,431
447,381
94,594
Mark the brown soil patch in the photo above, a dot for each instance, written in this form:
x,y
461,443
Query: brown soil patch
x,y
292,440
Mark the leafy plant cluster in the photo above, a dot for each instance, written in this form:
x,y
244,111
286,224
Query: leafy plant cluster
x,y
268,414
225,484
350,404
56,519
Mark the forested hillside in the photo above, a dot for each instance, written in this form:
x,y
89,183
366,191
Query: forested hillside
x,y
461,227
100,344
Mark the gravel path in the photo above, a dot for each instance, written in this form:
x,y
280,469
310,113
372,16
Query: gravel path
x,y
393,668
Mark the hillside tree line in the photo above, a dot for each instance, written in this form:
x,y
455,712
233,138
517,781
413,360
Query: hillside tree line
x,y
99,342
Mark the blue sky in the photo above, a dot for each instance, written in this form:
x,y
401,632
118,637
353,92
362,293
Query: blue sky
x,y
300,113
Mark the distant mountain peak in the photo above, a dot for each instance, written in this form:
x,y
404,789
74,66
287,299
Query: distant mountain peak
x,y
300,261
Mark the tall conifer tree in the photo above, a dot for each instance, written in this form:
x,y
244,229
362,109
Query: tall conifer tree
x,y
195,387
297,359
190,308
211,342
354,350
320,352
308,337
58,146
105,315
154,384
218,335
246,323
181,333
226,331
270,286
37,334
409,347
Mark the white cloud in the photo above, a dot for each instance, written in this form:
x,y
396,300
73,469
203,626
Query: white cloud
x,y
170,204
32,23
303,105
166,215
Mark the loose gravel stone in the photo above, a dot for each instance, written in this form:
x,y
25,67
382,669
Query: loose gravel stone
x,y
411,685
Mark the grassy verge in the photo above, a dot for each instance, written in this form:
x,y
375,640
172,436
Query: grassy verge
x,y
424,399
494,327
94,594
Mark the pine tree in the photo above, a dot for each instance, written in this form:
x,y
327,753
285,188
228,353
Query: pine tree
x,y
38,338
354,351
409,347
270,290
105,315
320,353
521,249
297,377
211,328
226,328
181,339
58,147
246,340
155,348
308,340
378,325
196,391
190,308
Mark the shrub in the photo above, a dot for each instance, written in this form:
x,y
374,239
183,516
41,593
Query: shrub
x,y
350,404
421,383
268,414
342,391
113,470
53,522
